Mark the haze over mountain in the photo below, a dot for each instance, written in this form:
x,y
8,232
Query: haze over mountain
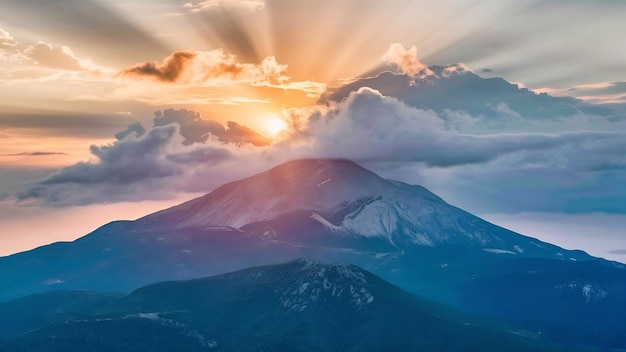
x,y
336,211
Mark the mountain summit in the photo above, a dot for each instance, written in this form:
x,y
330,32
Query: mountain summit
x,y
348,201
311,184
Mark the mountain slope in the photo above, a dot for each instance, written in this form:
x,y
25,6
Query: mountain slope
x,y
349,201
337,211
297,306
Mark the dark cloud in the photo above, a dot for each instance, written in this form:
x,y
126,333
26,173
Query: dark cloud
x,y
563,178
76,124
201,155
123,170
486,70
135,129
123,162
140,164
454,88
195,129
617,251
34,154
171,70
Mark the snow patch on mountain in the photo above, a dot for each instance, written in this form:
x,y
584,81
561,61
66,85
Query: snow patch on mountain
x,y
324,182
590,292
54,281
326,223
498,251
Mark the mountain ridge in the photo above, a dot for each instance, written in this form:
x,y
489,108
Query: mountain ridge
x,y
300,305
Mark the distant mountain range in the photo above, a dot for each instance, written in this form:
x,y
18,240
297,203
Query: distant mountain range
x,y
298,306
335,211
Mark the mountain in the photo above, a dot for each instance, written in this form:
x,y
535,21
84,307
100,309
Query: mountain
x,y
455,88
337,211
298,306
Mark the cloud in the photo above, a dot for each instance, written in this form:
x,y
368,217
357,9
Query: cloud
x,y
9,48
209,77
253,5
171,70
580,173
123,164
135,129
6,40
212,67
393,131
573,171
43,62
90,125
154,165
195,129
495,104
34,154
406,60
597,93
175,155
59,58
597,233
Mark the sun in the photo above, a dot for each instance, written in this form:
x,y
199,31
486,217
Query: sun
x,y
275,125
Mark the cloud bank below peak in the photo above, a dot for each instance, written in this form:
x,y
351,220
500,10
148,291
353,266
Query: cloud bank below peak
x,y
507,172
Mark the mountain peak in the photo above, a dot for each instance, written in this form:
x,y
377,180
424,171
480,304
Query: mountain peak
x,y
334,200
300,185
301,167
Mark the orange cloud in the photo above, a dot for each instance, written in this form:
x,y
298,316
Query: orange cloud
x,y
406,60
194,67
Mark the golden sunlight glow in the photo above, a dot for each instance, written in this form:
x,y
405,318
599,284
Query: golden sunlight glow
x,y
275,125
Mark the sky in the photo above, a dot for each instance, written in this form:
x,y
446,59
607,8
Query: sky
x,y
114,109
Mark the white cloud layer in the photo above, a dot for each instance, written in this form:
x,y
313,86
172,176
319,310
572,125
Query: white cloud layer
x,y
41,62
574,171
